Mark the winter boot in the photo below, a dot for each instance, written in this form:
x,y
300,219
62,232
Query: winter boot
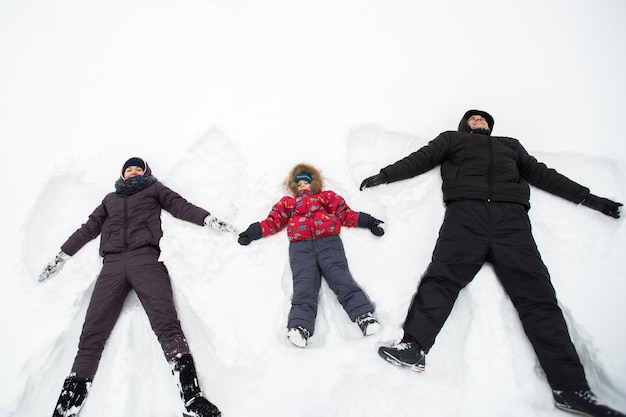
x,y
406,353
72,396
583,402
195,404
298,336
368,324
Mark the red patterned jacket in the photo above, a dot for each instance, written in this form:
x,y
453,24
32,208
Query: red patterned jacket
x,y
310,216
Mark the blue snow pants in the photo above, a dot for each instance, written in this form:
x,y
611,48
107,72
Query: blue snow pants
x,y
474,232
311,260
140,270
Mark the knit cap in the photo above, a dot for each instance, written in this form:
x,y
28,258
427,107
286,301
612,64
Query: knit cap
x,y
136,162
304,176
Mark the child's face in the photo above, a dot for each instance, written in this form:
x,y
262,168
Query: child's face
x,y
133,171
303,185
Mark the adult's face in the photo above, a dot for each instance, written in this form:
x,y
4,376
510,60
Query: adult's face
x,y
476,122
133,171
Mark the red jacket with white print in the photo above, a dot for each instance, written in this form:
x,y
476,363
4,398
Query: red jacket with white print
x,y
310,216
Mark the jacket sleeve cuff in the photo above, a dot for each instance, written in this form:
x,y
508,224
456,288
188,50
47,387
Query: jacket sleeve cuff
x,y
365,220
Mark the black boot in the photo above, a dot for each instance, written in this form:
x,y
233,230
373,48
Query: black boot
x,y
407,353
72,396
196,405
583,402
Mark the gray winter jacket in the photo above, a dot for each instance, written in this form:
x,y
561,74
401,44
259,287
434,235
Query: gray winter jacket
x,y
128,222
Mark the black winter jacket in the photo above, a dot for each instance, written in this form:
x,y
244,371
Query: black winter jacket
x,y
477,166
129,222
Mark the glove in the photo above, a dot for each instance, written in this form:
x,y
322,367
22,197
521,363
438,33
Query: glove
x,y
253,232
603,205
54,266
372,223
374,180
214,223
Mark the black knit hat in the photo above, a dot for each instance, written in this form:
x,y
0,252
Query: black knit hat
x,y
304,176
136,162
464,127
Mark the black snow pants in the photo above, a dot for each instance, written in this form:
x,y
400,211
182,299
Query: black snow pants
x,y
140,270
312,259
474,232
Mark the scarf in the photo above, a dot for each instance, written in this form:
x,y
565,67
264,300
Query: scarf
x,y
133,185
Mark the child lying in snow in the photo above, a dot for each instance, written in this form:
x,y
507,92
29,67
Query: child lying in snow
x,y
314,218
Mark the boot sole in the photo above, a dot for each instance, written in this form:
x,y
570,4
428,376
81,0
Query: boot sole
x,y
571,410
192,414
393,360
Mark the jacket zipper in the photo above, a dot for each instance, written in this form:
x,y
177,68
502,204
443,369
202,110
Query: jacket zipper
x,y
126,223
490,172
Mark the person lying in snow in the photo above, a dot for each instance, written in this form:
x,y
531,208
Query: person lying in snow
x,y
314,219
485,188
129,223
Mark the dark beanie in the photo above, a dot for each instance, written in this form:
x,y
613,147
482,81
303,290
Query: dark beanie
x,y
304,176
136,162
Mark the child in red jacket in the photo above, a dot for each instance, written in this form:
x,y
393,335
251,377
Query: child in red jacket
x,y
314,219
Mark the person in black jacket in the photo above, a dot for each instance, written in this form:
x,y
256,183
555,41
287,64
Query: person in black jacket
x,y
486,191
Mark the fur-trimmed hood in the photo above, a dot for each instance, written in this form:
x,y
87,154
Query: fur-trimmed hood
x,y
316,185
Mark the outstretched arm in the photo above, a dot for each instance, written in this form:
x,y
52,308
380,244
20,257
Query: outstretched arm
x,y
417,163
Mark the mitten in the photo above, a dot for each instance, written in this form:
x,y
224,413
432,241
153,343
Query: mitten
x,y
374,180
372,223
603,205
54,266
253,232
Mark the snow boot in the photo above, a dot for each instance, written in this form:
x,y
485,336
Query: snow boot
x,y
298,336
195,405
368,324
583,402
407,353
72,396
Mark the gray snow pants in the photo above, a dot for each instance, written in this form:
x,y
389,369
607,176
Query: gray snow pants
x,y
312,259
474,232
140,270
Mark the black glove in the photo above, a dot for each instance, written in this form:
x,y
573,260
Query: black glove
x,y
372,223
253,232
603,205
374,180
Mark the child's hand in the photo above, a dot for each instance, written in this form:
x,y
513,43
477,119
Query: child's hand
x,y
253,232
376,229
372,223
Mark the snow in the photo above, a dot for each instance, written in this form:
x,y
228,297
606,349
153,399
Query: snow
x,y
222,98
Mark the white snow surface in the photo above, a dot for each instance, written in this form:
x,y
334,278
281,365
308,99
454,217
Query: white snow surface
x,y
222,98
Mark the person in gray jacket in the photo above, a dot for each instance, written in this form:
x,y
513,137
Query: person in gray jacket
x,y
129,224
485,188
